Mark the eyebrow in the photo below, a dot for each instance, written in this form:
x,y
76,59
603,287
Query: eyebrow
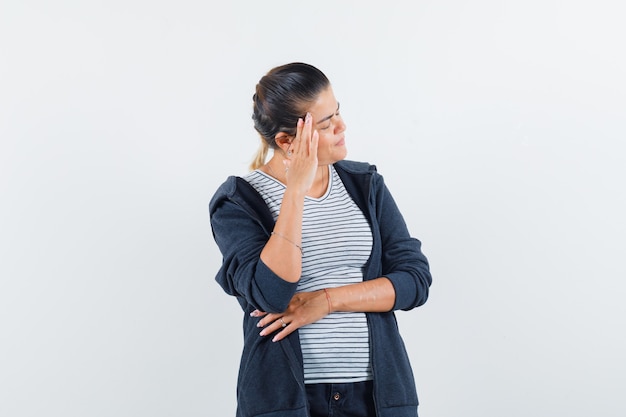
x,y
328,117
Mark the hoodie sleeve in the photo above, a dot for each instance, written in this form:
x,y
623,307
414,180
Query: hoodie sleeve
x,y
403,262
241,237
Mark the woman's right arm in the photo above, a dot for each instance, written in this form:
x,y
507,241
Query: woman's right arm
x,y
265,272
241,237
283,252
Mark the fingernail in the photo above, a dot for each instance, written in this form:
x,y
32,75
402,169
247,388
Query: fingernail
x,y
274,339
259,324
308,118
262,333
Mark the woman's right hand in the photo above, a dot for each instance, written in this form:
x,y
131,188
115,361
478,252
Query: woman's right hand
x,y
301,165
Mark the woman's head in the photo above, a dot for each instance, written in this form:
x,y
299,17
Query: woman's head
x,y
282,96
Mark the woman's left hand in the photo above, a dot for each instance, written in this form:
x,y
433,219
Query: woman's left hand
x,y
304,308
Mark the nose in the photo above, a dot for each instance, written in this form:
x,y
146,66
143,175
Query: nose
x,y
340,126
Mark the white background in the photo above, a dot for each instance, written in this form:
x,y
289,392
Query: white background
x,y
499,128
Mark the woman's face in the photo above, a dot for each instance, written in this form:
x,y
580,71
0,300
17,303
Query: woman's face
x,y
330,127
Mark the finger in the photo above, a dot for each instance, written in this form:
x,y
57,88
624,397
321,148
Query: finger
x,y
306,136
285,332
301,143
299,133
257,313
274,326
315,139
267,319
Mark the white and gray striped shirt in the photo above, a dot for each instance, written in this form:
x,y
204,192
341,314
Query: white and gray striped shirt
x,y
336,244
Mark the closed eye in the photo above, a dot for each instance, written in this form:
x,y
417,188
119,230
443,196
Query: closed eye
x,y
329,118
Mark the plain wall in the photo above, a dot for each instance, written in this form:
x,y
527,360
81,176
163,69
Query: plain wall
x,y
498,126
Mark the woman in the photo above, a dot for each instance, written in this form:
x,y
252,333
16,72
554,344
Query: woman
x,y
318,256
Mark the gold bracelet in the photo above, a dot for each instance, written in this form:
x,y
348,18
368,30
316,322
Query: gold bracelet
x,y
288,240
330,304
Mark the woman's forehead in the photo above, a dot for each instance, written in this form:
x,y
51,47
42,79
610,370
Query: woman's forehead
x,y
325,104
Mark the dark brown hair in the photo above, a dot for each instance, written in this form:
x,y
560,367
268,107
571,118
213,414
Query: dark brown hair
x,y
280,99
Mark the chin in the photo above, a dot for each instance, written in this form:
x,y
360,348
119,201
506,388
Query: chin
x,y
337,156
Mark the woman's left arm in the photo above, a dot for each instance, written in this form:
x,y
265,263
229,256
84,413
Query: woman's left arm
x,y
405,276
377,295
403,262
373,296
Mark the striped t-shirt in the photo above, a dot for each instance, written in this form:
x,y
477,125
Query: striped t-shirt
x,y
336,244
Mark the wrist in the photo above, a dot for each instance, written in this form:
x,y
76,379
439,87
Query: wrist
x,y
294,193
328,300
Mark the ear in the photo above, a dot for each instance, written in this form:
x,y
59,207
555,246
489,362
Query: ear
x,y
283,141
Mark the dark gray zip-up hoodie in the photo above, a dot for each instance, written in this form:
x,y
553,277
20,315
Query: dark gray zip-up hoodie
x,y
271,378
